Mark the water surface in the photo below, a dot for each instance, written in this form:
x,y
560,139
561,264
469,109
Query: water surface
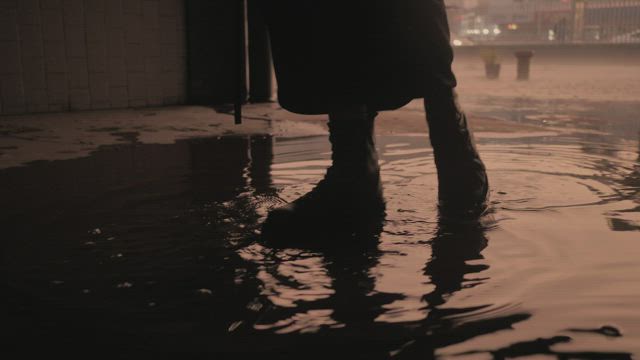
x,y
154,249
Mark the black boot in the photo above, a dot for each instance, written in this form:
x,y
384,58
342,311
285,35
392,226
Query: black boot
x,y
463,186
349,195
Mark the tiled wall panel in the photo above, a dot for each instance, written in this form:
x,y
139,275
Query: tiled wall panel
x,y
65,55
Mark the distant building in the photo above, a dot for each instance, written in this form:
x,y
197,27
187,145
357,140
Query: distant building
x,y
532,20
616,21
469,22
549,21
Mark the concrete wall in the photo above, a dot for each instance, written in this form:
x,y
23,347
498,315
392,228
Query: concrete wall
x,y
61,55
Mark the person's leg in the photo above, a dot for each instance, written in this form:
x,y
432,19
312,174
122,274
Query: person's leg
x,y
351,188
462,180
463,186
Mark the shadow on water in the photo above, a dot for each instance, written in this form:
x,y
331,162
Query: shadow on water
x,y
142,249
132,247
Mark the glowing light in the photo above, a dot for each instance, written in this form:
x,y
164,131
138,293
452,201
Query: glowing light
x,y
485,31
457,42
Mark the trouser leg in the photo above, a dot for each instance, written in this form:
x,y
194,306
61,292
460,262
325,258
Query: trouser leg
x,y
350,191
351,134
463,186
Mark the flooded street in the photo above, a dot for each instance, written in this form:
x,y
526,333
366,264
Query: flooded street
x,y
144,145
154,248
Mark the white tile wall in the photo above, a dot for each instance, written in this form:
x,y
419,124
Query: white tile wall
x,y
65,55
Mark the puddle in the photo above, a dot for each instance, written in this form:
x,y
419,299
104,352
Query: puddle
x,y
153,248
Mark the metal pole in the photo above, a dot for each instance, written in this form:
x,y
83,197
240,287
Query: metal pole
x,y
242,62
578,20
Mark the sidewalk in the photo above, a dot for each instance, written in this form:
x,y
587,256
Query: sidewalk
x,y
27,138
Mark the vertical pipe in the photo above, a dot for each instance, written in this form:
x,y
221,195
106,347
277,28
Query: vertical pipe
x,y
242,62
261,152
578,20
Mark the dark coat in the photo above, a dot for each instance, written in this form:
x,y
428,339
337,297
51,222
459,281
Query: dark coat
x,y
383,53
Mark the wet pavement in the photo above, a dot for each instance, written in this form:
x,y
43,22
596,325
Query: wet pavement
x,y
139,245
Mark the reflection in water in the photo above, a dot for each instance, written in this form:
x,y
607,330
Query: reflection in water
x,y
621,219
453,247
631,183
544,346
454,250
132,246
331,291
153,249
